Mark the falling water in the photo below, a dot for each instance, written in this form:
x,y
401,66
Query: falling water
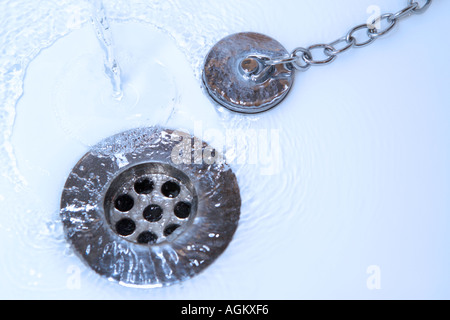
x,y
105,38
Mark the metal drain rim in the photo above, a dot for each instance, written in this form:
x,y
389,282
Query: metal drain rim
x,y
164,264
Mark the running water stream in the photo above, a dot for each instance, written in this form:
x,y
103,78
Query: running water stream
x,y
104,35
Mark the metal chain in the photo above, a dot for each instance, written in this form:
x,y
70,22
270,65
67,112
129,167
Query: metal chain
x,y
303,58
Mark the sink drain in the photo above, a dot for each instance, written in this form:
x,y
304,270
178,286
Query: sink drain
x,y
147,203
137,218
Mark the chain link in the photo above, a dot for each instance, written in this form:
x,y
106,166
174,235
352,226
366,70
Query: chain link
x,y
303,58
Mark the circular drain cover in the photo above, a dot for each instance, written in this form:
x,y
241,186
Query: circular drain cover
x,y
237,78
135,216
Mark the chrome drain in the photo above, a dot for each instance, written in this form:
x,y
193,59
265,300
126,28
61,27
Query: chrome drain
x,y
136,217
150,203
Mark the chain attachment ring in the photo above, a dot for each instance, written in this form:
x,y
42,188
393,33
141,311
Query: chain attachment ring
x,y
305,52
282,60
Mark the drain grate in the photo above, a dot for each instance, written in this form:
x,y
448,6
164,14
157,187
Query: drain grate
x,y
147,203
137,218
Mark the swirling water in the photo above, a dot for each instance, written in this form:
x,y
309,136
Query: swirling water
x,y
84,113
56,104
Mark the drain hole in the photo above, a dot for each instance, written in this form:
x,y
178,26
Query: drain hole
x,y
144,186
182,210
153,213
125,227
124,203
147,237
170,229
170,189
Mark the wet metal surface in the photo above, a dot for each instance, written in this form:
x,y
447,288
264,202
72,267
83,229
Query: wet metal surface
x,y
235,75
136,217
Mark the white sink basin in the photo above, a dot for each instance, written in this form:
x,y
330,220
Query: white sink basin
x,y
345,189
